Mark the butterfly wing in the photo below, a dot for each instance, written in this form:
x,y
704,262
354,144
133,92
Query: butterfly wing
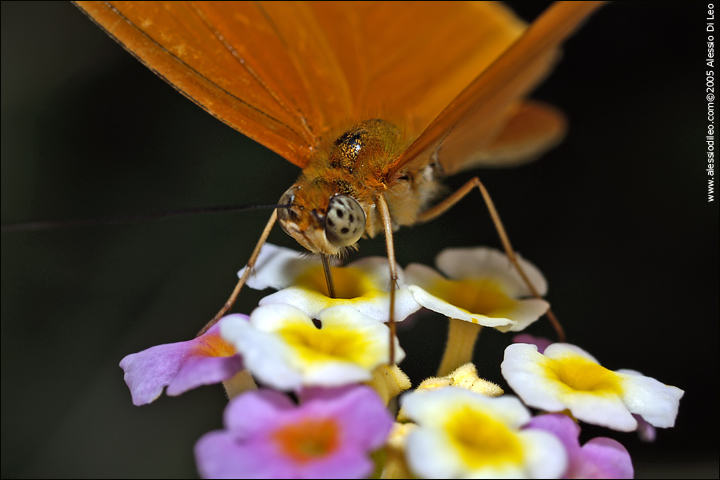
x,y
532,128
464,133
405,61
288,74
240,62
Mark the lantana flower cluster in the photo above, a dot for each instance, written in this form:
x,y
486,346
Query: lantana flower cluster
x,y
312,387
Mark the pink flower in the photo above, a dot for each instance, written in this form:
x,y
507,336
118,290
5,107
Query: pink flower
x,y
541,342
181,366
600,457
328,435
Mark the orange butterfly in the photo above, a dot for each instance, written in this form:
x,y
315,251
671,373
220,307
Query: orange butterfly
x,y
375,101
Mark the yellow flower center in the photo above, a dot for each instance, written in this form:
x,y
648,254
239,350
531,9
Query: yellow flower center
x,y
579,374
330,343
483,296
308,439
481,440
349,282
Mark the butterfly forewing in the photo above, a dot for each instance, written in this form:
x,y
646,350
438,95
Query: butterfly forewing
x,y
405,61
289,73
473,139
485,104
178,42
531,129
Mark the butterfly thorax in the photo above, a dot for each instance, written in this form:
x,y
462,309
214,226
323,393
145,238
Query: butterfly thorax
x,y
333,202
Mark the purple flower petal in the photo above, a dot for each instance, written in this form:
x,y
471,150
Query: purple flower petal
x,y
199,371
601,457
346,463
646,432
562,427
218,449
540,342
180,366
329,435
252,413
365,404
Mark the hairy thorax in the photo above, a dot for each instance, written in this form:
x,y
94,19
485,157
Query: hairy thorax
x,y
333,202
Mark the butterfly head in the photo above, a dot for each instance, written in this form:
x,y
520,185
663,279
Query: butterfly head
x,y
328,227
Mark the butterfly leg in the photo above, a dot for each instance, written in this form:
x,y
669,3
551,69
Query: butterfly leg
x,y
459,194
250,265
387,228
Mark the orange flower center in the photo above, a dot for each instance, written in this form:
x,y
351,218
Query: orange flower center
x,y
214,346
308,439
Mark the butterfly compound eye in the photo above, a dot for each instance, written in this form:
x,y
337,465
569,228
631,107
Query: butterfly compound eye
x,y
287,214
345,221
288,197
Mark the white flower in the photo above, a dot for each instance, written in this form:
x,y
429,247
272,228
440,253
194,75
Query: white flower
x,y
462,434
567,377
485,288
362,285
283,348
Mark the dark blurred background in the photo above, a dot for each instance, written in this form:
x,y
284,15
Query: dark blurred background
x,y
616,217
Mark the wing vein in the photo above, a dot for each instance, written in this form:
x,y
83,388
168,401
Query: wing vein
x,y
190,68
280,36
310,136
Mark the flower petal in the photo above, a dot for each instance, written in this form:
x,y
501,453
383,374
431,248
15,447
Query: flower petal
x,y
436,304
277,267
656,402
482,300
374,304
462,434
282,347
560,425
460,263
251,413
604,458
365,403
601,457
181,366
264,355
544,382
214,449
540,342
567,377
329,435
362,285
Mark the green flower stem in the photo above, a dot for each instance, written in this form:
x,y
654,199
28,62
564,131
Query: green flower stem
x,y
462,336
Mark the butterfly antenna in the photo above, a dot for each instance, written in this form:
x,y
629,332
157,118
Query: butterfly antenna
x,y
52,225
